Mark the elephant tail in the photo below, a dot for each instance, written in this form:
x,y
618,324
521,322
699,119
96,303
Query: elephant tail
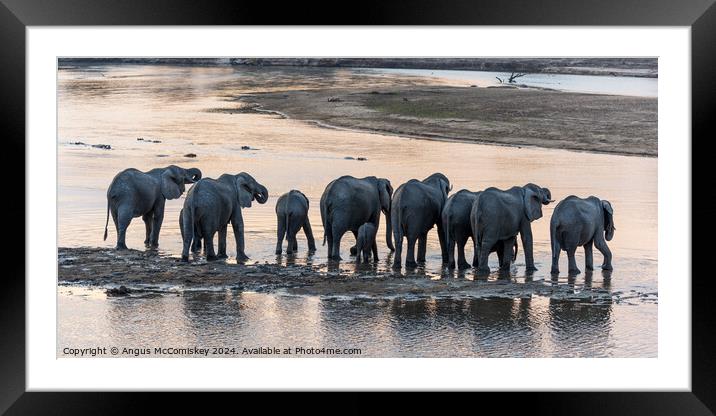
x,y
287,215
106,222
324,220
553,236
446,226
187,227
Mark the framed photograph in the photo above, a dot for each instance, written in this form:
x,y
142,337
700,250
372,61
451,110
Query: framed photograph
x,y
489,206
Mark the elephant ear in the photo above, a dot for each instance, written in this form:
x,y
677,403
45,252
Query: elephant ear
x,y
533,204
608,217
244,195
170,188
385,191
607,207
445,188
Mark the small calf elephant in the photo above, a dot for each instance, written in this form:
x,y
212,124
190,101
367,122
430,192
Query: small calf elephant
x,y
143,194
581,222
365,244
210,205
292,215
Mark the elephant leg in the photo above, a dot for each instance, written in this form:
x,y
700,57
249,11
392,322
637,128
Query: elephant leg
x,y
328,231
451,252
336,250
556,251
209,244
222,242
573,269
475,259
526,236
374,248
360,255
507,253
461,262
124,218
147,218
589,256
157,220
280,234
309,235
443,243
354,248
398,237
292,242
196,243
422,247
501,254
410,255
484,250
237,223
604,249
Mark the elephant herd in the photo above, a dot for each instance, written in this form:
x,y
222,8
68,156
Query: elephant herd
x,y
491,218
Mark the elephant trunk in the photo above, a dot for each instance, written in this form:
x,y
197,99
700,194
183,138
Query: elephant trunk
x,y
262,194
388,232
192,175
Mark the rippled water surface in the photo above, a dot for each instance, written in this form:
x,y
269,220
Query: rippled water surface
x,y
115,105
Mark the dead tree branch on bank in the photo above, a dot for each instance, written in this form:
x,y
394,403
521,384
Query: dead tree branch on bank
x,y
514,76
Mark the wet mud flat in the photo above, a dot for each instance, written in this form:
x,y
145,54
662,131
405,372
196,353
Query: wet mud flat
x,y
140,273
506,115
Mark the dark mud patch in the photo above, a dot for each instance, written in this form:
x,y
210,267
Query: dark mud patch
x,y
511,115
149,272
249,108
96,146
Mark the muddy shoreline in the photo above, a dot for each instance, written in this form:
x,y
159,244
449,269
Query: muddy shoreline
x,y
499,116
139,273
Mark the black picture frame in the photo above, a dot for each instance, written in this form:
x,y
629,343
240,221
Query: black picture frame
x,y
15,15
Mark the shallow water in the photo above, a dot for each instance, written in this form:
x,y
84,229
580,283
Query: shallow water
x,y
117,104
589,84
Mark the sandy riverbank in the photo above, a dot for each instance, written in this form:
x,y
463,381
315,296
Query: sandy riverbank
x,y
505,116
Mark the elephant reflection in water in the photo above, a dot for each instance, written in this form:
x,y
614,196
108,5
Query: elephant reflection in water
x,y
579,329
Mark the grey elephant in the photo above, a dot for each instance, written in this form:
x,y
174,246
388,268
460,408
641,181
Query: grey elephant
x,y
347,203
416,209
498,216
291,216
133,193
211,204
458,229
365,243
581,222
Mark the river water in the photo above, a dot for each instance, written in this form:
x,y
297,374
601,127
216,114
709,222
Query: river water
x,y
115,105
588,84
